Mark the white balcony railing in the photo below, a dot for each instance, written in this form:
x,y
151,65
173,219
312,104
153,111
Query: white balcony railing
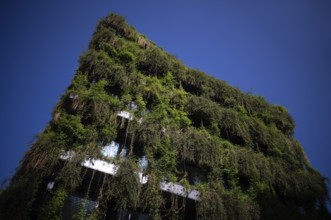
x,y
125,114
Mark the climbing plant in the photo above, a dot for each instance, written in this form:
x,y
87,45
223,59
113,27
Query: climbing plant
x,y
251,166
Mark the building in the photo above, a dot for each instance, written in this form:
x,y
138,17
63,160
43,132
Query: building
x,y
138,135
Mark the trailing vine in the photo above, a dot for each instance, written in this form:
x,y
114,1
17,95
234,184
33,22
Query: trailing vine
x,y
241,146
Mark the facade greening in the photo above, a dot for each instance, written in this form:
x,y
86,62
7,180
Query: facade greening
x,y
138,135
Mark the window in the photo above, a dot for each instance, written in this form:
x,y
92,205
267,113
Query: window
x,y
114,150
75,206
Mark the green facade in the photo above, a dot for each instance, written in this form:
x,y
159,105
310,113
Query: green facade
x,y
235,149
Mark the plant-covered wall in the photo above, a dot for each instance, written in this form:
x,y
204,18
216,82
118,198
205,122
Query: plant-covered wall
x,y
250,164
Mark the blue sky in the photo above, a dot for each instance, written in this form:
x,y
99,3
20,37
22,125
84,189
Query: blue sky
x,y
280,50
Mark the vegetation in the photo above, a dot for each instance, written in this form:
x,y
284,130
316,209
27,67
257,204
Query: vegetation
x,y
254,167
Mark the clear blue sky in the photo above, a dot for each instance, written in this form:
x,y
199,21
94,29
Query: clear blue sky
x,y
277,49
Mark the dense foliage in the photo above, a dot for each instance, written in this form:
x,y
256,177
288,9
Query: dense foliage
x,y
252,165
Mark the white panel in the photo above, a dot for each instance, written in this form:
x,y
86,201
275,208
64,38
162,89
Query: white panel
x,y
101,166
179,190
125,114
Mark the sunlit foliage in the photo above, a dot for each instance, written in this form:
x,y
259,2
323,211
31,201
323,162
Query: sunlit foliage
x,y
254,167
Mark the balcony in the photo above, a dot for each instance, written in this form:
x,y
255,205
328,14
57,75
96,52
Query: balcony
x,y
111,169
102,166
